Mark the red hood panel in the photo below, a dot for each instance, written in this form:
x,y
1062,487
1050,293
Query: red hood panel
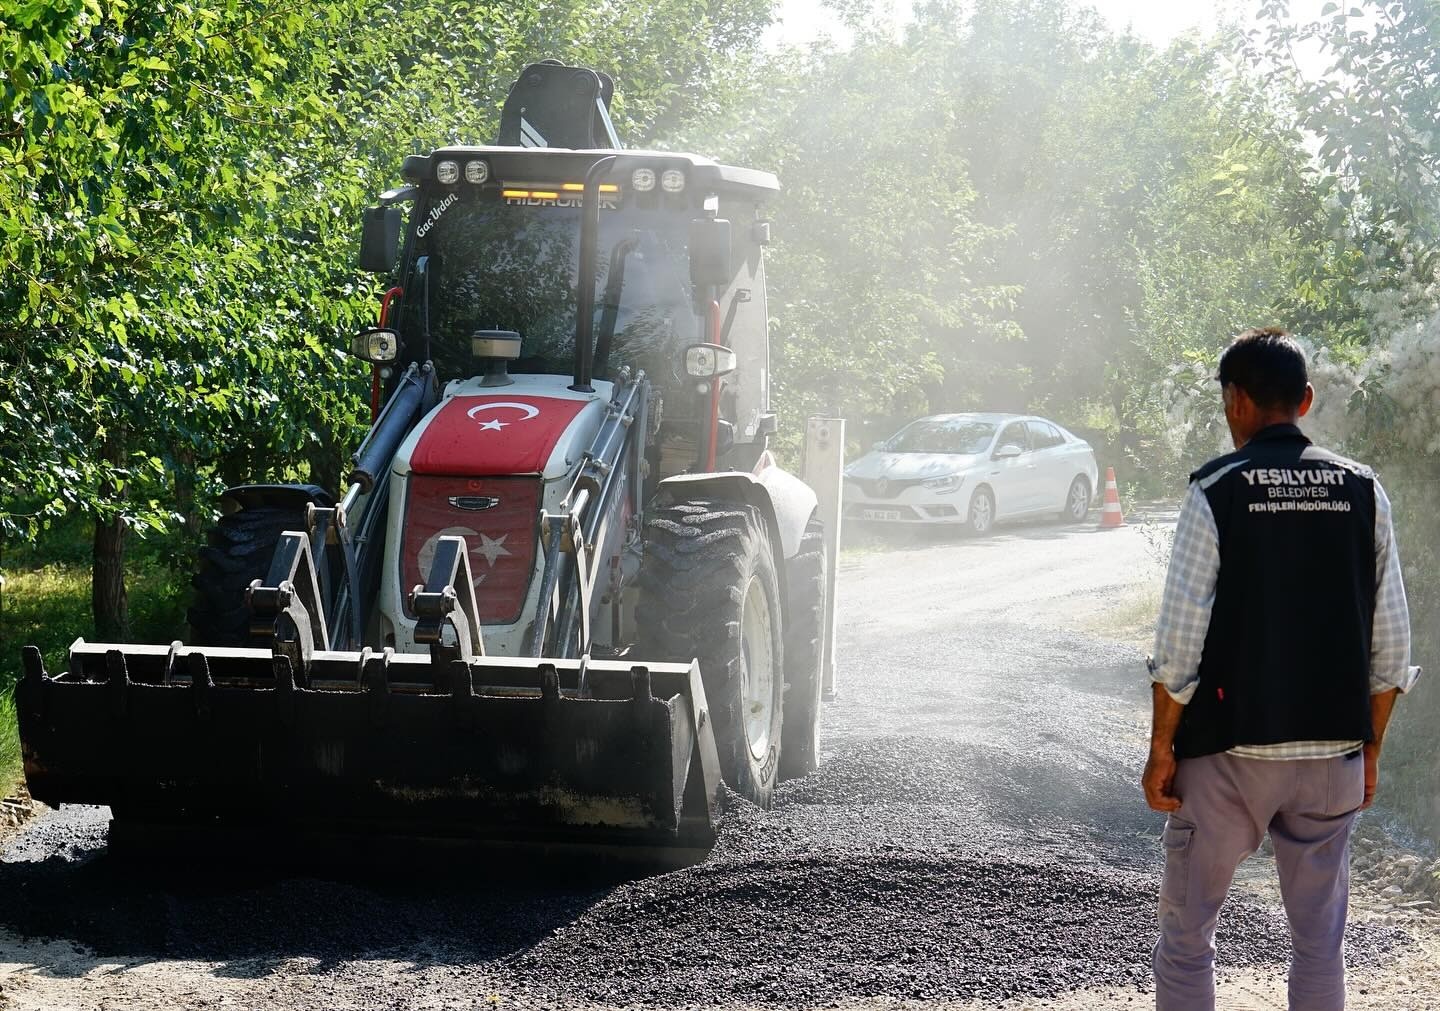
x,y
493,435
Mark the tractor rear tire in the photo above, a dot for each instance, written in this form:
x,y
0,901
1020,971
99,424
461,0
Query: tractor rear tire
x,y
709,591
239,549
804,653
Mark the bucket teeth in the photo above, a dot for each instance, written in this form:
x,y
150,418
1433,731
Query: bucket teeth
x,y
201,684
549,683
640,683
117,680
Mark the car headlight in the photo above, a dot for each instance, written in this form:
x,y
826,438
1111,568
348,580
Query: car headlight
x,y
948,483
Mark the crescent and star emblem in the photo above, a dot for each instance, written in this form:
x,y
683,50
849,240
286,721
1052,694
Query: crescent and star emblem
x,y
494,425
489,548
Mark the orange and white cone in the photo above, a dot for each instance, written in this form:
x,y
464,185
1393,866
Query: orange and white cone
x,y
1110,515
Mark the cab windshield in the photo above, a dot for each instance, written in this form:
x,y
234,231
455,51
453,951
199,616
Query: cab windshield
x,y
943,435
495,265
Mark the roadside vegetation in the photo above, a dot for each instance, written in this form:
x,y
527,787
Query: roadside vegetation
x,y
1003,204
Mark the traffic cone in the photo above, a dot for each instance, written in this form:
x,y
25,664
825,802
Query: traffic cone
x,y
1111,516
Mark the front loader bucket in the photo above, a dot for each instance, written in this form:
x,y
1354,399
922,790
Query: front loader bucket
x,y
529,753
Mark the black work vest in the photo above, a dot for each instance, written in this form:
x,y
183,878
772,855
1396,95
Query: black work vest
x,y
1287,654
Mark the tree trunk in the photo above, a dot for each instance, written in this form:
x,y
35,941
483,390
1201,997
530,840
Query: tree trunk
x,y
107,591
108,602
185,501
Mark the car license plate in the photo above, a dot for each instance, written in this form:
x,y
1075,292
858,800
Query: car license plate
x,y
880,514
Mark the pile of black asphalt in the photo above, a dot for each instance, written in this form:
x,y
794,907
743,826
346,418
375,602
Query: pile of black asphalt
x,y
945,850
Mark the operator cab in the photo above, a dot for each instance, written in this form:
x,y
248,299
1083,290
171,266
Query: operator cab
x,y
493,242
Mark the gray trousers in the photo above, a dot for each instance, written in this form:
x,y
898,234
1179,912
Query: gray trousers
x,y
1227,806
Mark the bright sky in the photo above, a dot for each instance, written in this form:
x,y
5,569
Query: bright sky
x,y
1159,21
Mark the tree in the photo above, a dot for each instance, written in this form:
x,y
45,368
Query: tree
x,y
179,190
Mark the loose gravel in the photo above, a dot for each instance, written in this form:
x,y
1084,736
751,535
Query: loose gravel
x,y
973,834
915,889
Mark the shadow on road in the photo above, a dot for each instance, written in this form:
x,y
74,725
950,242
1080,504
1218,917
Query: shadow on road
x,y
254,919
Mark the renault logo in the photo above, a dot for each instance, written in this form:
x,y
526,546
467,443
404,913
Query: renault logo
x,y
473,503
882,486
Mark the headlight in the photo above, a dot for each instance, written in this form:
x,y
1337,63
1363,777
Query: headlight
x,y
447,172
477,172
643,180
672,180
948,483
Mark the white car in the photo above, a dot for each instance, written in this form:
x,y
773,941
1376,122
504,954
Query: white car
x,y
975,469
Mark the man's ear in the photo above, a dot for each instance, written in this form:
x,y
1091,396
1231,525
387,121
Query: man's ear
x,y
1306,401
1240,404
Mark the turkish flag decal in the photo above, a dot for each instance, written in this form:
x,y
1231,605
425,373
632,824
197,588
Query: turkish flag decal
x,y
493,435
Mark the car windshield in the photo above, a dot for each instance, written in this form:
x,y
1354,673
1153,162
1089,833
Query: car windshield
x,y
943,435
513,265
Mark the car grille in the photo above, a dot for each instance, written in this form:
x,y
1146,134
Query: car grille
x,y
884,487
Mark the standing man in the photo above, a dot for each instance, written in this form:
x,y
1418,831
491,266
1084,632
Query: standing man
x,y
1282,643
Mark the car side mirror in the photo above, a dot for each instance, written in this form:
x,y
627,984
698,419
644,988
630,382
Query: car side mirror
x,y
380,239
710,252
1009,451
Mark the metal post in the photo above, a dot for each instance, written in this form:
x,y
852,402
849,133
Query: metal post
x,y
585,302
824,461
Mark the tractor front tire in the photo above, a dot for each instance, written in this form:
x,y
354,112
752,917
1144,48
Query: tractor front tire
x,y
804,653
709,591
239,549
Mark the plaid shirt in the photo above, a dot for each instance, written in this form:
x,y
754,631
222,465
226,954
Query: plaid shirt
x,y
1190,593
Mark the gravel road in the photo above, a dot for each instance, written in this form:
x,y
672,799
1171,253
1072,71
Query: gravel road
x,y
974,839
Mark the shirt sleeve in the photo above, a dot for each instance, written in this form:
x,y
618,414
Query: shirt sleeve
x,y
1189,597
1390,636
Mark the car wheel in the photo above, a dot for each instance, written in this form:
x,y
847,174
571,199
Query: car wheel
x,y
981,517
1077,501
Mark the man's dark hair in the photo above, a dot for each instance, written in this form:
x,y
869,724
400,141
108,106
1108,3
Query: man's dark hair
x,y
1268,365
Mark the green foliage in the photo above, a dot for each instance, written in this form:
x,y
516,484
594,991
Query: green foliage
x,y
179,190
9,745
49,607
1012,208
873,289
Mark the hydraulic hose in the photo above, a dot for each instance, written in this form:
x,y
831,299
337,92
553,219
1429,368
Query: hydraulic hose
x,y
372,459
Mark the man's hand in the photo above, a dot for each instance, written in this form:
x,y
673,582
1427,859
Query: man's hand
x,y
1159,781
1381,703
1159,776
1372,773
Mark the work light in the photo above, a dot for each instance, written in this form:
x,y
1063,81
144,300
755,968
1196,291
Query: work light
x,y
477,171
447,172
672,180
643,180
376,344
706,360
